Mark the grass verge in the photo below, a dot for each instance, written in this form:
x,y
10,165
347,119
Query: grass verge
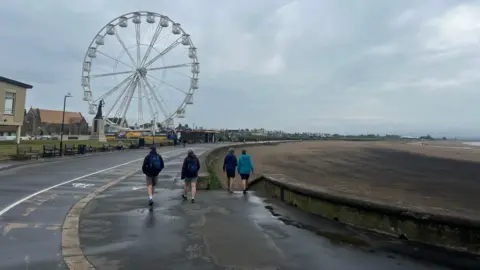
x,y
214,181
8,149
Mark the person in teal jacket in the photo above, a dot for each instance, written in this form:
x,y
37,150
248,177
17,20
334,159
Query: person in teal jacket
x,y
245,167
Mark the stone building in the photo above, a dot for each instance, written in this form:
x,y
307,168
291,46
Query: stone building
x,y
40,122
12,108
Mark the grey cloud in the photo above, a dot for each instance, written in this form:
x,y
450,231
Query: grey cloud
x,y
328,66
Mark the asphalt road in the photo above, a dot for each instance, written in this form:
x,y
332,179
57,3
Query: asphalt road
x,y
35,199
219,231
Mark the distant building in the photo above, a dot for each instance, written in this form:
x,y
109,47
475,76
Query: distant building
x,y
196,135
40,122
12,108
258,132
181,127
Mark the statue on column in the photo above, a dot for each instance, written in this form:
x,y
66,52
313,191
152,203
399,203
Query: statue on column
x,y
99,114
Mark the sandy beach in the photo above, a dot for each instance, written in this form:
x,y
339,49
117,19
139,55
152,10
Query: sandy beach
x,y
441,176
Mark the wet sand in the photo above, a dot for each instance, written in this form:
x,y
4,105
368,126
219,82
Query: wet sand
x,y
441,177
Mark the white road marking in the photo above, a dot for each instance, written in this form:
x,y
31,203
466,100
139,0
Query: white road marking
x,y
82,185
27,261
8,208
136,188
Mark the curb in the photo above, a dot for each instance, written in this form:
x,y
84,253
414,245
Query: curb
x,y
71,250
445,231
51,160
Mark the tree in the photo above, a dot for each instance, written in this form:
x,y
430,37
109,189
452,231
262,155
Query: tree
x,y
427,137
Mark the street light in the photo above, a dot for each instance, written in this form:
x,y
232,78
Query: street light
x,y
63,121
154,127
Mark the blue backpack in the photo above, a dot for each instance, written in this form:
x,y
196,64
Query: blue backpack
x,y
192,166
155,162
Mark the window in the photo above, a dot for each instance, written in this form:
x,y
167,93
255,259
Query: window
x,y
9,103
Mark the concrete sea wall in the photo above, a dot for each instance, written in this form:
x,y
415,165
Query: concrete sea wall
x,y
451,232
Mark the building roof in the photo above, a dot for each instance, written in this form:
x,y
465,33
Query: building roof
x,y
55,117
16,83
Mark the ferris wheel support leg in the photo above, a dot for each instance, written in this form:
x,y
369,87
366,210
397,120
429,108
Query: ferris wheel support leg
x,y
129,101
127,87
149,103
115,88
140,103
164,111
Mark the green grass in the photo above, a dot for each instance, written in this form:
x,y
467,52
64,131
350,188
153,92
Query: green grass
x,y
214,181
9,148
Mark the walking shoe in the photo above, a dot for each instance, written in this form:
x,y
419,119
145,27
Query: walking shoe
x,y
193,200
150,202
244,192
184,197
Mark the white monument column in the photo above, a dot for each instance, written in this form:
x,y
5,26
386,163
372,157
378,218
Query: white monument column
x,y
98,132
19,130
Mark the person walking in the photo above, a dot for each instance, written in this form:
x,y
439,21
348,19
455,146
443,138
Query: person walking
x,y
190,168
229,166
152,166
245,167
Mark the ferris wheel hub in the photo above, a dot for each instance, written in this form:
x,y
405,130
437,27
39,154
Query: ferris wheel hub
x,y
142,71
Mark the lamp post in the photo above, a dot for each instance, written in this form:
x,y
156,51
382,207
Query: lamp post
x,y
63,122
154,127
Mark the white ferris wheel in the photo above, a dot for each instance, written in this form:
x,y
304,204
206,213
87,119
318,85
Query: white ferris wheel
x,y
144,75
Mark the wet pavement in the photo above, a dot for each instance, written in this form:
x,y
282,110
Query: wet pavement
x,y
233,231
219,231
35,199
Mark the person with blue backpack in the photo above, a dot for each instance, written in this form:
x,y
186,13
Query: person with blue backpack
x,y
152,166
245,167
190,168
229,166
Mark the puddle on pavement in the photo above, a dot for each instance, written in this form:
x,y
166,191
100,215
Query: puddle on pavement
x,y
109,248
260,198
334,237
153,220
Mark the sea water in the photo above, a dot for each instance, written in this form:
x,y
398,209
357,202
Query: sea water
x,y
472,143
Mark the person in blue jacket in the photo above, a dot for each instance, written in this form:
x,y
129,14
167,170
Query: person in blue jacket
x,y
245,167
229,166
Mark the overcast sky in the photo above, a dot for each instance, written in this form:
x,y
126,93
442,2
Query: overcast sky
x,y
409,67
